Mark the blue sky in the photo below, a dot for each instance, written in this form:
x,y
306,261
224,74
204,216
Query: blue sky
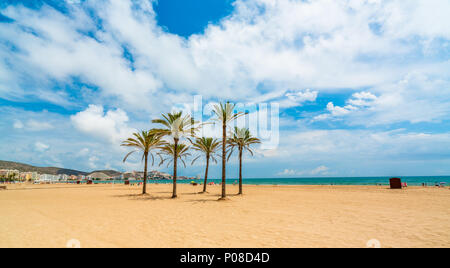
x,y
363,86
185,18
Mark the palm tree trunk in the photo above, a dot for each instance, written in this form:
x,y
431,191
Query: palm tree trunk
x,y
144,189
240,170
224,159
175,160
206,173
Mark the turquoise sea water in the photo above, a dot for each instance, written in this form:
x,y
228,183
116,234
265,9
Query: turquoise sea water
x,y
412,181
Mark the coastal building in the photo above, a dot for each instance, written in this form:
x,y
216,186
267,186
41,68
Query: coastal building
x,y
99,176
119,177
28,176
9,172
128,176
48,178
156,175
138,174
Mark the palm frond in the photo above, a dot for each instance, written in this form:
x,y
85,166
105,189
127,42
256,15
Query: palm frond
x,y
242,139
130,153
145,141
193,161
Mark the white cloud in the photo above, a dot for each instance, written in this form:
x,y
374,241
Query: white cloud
x,y
297,98
288,98
18,124
32,125
358,101
41,147
323,170
92,162
362,99
59,51
38,126
362,145
83,152
422,96
302,96
273,44
359,153
319,171
288,172
110,126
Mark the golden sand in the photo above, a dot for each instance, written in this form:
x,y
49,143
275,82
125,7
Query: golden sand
x,y
266,216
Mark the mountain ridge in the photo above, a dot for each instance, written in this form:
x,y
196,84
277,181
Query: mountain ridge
x,y
52,170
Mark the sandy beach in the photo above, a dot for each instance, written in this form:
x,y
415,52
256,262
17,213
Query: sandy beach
x,y
266,216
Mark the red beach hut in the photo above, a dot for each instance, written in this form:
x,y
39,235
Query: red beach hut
x,y
396,183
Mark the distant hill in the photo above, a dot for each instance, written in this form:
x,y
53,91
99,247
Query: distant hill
x,y
41,170
111,173
51,170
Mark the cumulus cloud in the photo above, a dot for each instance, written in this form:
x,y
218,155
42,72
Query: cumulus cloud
x,y
420,96
358,101
302,96
267,45
110,126
58,48
362,99
296,98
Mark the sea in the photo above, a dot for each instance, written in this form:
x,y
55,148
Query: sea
x,y
410,180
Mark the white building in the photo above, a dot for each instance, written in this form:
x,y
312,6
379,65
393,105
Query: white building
x,y
49,178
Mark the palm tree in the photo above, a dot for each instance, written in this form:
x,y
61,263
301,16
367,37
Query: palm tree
x,y
144,142
209,147
176,126
242,140
225,114
168,150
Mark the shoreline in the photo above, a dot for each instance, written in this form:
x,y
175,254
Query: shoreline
x,y
228,184
430,181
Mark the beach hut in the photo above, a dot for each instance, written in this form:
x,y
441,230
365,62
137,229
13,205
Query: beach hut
x,y
396,183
